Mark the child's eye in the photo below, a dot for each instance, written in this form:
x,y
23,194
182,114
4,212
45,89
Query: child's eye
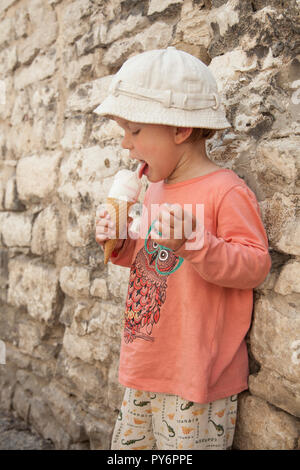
x,y
135,132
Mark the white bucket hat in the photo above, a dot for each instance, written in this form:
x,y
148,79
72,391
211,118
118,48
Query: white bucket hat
x,y
165,86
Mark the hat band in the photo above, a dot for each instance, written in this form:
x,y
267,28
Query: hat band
x,y
167,98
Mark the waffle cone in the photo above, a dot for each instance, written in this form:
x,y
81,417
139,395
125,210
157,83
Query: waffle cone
x,y
118,211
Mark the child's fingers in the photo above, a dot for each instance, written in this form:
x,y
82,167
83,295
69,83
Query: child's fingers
x,y
104,223
105,230
102,211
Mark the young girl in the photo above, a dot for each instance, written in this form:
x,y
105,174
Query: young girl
x,y
190,295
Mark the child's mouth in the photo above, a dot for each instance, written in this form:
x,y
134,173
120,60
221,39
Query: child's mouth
x,y
143,169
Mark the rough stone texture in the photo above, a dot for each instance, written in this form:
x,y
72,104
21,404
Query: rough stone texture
x,y
261,426
16,435
60,306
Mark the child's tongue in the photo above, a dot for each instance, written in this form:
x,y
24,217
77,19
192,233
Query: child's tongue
x,y
142,168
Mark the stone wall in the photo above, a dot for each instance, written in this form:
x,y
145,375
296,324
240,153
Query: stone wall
x,y
60,306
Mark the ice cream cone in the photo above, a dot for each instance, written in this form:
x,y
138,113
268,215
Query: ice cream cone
x,y
118,211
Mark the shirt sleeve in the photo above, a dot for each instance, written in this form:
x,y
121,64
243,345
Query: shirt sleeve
x,y
123,256
237,256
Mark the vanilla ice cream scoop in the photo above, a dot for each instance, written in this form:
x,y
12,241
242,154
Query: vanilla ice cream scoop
x,y
126,186
123,193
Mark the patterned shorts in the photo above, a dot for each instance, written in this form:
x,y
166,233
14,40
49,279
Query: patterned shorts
x,y
161,421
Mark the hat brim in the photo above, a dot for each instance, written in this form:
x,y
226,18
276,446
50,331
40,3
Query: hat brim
x,y
150,112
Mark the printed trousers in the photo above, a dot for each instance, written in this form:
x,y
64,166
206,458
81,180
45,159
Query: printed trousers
x,y
162,421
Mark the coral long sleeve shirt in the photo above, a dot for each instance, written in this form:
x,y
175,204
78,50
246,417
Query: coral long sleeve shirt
x,y
187,311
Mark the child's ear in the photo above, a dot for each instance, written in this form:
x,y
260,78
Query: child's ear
x,y
181,134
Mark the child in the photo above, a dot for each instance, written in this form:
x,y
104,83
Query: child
x,y
189,303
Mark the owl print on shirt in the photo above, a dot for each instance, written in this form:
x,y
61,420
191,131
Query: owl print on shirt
x,y
147,288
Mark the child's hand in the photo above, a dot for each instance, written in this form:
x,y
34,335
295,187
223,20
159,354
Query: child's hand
x,y
177,231
105,228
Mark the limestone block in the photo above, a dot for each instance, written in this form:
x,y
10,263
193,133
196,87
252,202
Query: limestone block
x,y
74,131
75,281
225,16
11,200
86,348
21,22
8,60
27,49
279,217
274,336
99,431
289,279
229,66
8,191
37,176
6,104
87,96
38,14
87,380
43,103
2,193
110,320
156,6
80,70
156,36
194,28
275,389
42,67
117,280
34,285
115,390
46,425
8,315
22,109
6,4
16,229
105,130
21,403
289,241
16,357
87,338
261,426
65,410
67,312
43,99
108,33
29,382
275,165
99,288
30,337
82,314
7,168
91,39
7,386
80,229
45,232
87,174
6,31
17,140
74,21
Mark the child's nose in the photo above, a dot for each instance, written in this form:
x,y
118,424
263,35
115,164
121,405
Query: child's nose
x,y
126,143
